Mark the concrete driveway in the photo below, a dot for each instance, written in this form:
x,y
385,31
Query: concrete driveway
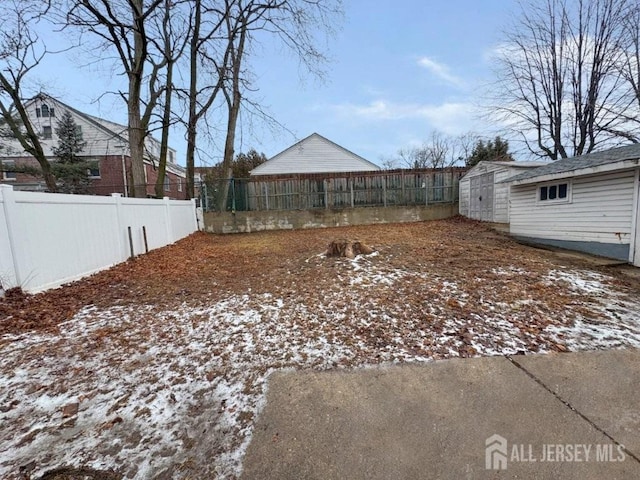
x,y
569,416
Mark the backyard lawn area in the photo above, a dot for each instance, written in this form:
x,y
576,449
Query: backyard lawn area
x,y
157,368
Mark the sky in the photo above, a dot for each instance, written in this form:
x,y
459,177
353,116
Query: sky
x,y
399,70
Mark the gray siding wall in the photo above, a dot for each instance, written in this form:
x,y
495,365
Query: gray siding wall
x,y
500,190
600,210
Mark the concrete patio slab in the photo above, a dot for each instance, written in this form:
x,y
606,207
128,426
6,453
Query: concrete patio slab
x,y
603,386
433,421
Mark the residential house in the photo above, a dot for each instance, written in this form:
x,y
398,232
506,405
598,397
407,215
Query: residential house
x,y
314,154
106,146
588,203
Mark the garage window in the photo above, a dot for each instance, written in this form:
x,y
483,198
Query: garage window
x,y
554,193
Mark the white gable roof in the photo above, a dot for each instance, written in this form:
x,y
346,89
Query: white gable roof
x,y
314,154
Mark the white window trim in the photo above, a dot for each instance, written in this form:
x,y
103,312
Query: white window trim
x,y
97,162
555,201
5,178
167,183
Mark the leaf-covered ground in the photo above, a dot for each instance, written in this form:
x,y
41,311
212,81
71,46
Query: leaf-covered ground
x,y
157,368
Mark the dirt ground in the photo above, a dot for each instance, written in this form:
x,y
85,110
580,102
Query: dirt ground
x,y
157,368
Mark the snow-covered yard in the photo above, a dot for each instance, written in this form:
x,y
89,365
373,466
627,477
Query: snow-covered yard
x,y
165,379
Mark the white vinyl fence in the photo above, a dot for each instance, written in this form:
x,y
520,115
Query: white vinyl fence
x,y
49,239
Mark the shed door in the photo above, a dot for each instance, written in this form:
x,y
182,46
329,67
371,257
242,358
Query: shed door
x,y
481,201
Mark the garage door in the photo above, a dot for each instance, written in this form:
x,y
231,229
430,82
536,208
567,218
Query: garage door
x,y
481,201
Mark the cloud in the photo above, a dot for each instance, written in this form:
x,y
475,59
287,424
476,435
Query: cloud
x,y
449,117
441,71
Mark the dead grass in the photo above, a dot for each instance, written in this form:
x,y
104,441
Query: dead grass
x,y
166,357
208,266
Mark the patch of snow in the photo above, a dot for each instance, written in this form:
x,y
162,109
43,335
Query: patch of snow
x,y
161,389
579,281
509,271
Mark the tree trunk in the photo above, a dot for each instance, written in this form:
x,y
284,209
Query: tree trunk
x,y
136,147
347,249
166,118
137,132
193,94
233,103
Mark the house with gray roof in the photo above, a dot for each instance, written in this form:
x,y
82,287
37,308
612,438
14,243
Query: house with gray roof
x,y
106,147
588,203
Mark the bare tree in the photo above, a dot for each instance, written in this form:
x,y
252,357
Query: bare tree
x,y
122,25
237,25
207,22
389,162
173,46
440,151
222,33
629,68
21,51
557,85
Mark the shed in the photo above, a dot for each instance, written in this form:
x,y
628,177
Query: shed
x,y
482,197
314,154
587,203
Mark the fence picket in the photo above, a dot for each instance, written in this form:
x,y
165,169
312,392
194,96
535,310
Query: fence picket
x,y
340,190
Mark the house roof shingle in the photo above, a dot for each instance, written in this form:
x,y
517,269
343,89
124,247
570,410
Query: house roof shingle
x,y
590,160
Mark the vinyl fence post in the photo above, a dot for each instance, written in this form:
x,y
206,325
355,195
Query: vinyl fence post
x,y
9,203
194,210
121,228
167,216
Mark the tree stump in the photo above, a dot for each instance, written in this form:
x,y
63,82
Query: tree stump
x,y
347,249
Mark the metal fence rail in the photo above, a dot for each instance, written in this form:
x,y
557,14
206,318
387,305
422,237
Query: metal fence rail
x,y
333,191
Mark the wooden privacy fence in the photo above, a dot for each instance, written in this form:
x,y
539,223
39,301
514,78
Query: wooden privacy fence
x,y
335,191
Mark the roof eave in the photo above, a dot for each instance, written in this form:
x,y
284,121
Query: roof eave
x,y
580,172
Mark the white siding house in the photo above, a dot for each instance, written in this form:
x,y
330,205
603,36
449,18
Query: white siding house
x,y
102,137
587,203
106,146
314,154
482,196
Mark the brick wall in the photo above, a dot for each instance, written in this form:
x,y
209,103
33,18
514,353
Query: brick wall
x,y
177,188
110,181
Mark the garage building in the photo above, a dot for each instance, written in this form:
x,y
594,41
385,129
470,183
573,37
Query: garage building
x,y
482,197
